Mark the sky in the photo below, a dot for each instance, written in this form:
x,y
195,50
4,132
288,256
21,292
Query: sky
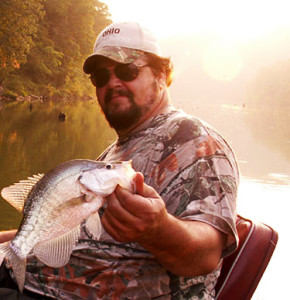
x,y
231,22
231,19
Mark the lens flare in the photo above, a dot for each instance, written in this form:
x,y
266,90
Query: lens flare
x,y
222,61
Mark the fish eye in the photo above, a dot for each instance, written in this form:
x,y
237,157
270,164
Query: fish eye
x,y
109,166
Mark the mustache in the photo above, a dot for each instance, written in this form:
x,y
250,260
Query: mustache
x,y
116,92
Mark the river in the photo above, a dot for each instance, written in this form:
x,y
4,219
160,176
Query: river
x,y
35,137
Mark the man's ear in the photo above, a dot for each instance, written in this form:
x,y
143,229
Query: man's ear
x,y
161,78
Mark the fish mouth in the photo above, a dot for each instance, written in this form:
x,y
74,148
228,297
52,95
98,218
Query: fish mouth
x,y
85,191
102,182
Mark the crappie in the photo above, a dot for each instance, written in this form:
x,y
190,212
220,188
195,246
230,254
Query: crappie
x,y
54,207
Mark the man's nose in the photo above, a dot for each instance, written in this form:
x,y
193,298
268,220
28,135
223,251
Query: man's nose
x,y
114,80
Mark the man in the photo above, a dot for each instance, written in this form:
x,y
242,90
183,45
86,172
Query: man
x,y
167,239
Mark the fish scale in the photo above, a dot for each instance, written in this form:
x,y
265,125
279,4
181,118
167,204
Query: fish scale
x,y
54,206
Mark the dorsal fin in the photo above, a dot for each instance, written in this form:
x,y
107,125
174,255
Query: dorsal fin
x,y
16,194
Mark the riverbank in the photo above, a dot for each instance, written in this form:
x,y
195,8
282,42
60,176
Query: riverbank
x,y
30,98
35,98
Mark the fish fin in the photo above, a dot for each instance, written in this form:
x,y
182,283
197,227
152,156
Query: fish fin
x,y
56,252
17,193
94,225
89,197
18,265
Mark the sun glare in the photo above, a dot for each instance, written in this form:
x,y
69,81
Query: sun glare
x,y
231,19
226,22
222,61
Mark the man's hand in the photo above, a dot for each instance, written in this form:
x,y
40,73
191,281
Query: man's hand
x,y
134,217
185,248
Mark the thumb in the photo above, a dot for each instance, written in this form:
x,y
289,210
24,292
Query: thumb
x,y
138,183
142,188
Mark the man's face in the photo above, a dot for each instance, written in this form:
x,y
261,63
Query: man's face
x,y
126,104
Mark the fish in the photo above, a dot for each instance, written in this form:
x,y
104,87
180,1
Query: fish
x,y
54,207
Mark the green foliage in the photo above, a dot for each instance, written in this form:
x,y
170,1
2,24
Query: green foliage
x,y
47,54
271,86
19,25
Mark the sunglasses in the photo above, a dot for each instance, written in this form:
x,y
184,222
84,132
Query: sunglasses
x,y
125,72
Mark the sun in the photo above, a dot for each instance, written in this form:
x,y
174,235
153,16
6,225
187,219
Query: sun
x,y
222,61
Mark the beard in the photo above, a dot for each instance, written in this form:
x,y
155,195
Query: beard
x,y
124,119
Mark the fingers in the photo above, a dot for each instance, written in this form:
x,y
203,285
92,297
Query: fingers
x,y
119,222
115,210
129,216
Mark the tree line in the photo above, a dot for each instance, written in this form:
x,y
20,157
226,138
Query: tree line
x,y
271,86
44,44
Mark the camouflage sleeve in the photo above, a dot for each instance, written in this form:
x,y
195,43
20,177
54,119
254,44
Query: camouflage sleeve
x,y
205,186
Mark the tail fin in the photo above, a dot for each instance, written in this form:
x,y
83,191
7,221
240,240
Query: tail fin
x,y
18,265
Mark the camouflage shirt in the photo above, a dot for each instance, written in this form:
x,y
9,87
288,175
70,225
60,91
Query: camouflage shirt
x,y
194,170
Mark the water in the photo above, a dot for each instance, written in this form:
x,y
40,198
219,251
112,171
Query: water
x,y
34,138
261,140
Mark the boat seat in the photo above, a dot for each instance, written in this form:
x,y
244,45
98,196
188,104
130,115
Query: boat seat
x,y
243,269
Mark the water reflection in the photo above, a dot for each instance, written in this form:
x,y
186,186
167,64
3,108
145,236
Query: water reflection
x,y
35,137
33,140
270,127
260,137
261,140
269,203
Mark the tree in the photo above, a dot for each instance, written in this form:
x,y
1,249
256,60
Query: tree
x,y
65,37
18,27
271,86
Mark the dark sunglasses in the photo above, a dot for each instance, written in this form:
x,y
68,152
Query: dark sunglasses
x,y
125,72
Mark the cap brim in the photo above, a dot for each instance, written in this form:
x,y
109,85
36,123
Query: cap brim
x,y
91,62
118,54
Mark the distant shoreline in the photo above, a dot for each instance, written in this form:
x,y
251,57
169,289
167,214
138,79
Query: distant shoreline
x,y
31,98
34,98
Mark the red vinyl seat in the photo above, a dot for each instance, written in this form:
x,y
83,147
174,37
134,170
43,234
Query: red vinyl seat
x,y
243,269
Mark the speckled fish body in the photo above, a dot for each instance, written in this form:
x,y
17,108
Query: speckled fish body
x,y
55,205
